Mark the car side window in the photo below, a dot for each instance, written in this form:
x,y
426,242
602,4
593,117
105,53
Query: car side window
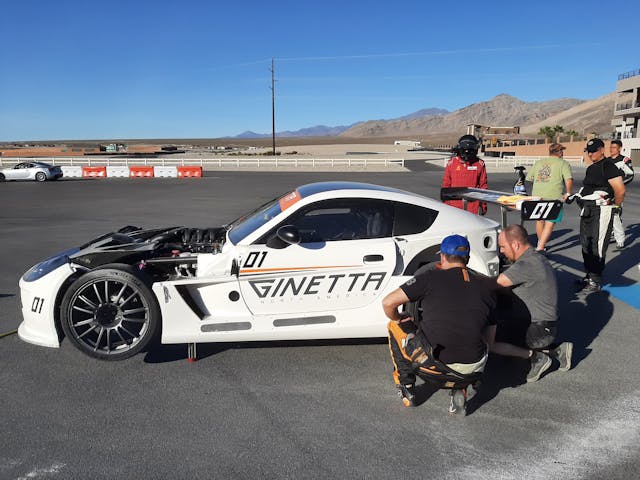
x,y
341,219
21,166
411,219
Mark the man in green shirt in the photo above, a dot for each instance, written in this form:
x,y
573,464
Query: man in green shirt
x,y
549,175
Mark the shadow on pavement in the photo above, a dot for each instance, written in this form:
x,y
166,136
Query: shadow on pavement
x,y
582,318
171,353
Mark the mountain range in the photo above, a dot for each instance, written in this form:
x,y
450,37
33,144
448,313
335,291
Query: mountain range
x,y
502,110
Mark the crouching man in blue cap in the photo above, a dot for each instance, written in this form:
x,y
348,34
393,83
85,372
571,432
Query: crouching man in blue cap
x,y
443,336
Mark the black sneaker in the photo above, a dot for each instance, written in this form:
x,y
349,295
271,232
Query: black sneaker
x,y
407,395
540,363
580,283
458,402
563,354
592,286
587,285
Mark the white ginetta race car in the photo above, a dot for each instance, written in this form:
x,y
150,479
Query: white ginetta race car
x,y
314,263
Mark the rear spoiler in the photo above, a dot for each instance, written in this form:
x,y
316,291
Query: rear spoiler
x,y
530,208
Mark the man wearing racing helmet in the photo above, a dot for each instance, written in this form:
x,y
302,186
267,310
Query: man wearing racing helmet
x,y
465,169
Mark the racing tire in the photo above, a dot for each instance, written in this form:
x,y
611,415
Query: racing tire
x,y
2,179
41,177
110,313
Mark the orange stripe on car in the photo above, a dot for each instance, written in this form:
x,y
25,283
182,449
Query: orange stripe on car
x,y
294,269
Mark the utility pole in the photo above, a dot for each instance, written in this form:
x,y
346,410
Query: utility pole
x,y
273,107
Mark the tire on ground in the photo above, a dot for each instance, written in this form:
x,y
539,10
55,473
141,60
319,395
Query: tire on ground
x,y
110,313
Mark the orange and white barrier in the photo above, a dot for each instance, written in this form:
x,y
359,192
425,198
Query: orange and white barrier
x,y
94,172
142,171
132,171
189,172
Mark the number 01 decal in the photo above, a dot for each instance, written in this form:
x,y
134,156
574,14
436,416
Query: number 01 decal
x,y
541,210
254,259
36,305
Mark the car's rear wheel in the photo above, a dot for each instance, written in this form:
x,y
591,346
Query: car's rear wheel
x,y
41,177
110,313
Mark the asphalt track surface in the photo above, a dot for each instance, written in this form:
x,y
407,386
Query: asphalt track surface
x,y
300,409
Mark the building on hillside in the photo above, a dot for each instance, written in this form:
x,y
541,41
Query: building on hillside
x,y
408,143
492,136
483,130
626,113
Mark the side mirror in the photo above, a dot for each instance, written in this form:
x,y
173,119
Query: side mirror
x,y
285,236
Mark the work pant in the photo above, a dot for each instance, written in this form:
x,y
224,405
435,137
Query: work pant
x,y
596,223
618,228
515,325
541,335
411,358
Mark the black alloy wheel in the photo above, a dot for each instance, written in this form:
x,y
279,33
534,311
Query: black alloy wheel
x,y
110,313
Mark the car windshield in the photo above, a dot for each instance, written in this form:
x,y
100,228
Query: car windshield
x,y
245,224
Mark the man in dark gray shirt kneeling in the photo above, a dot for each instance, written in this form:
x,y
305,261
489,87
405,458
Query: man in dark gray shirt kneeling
x,y
534,299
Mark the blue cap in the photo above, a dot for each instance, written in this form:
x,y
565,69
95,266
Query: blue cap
x,y
455,245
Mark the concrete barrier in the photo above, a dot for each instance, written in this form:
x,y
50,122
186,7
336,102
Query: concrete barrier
x,y
169,171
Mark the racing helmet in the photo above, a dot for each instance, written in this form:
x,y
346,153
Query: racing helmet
x,y
467,147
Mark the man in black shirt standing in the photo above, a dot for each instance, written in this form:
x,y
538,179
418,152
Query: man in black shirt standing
x,y
602,193
456,322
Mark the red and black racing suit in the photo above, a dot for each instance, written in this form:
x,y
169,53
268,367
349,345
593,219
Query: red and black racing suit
x,y
466,174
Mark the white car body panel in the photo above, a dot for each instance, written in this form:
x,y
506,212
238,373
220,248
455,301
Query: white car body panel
x,y
38,307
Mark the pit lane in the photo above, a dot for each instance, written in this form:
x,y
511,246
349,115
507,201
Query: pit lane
x,y
299,409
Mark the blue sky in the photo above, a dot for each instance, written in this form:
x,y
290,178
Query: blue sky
x,y
72,69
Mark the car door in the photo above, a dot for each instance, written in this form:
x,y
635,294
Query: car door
x,y
28,171
21,171
344,260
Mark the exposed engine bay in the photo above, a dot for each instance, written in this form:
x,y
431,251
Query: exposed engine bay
x,y
163,253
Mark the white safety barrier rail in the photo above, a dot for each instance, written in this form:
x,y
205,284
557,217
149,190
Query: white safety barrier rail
x,y
237,162
525,160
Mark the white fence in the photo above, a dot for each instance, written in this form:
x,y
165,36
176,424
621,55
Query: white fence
x,y
525,161
220,162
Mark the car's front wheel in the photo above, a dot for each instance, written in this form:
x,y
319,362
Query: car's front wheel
x,y
110,313
41,177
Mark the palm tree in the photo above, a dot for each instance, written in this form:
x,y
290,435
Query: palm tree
x,y
547,132
557,130
572,134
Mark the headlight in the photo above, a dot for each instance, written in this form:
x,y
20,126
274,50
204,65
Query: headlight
x,y
50,264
